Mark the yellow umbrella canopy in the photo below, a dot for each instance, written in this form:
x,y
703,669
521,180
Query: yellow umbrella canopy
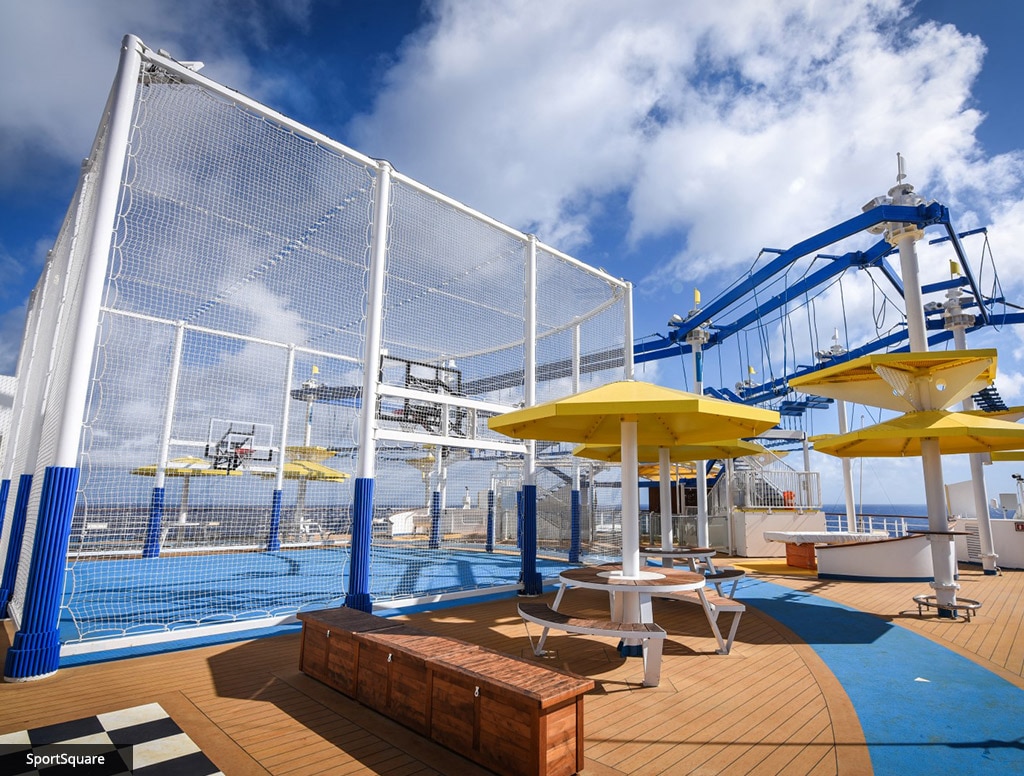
x,y
652,471
308,453
186,466
707,451
311,471
956,432
664,416
1008,455
899,381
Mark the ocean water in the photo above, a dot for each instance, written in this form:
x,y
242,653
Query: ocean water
x,y
915,516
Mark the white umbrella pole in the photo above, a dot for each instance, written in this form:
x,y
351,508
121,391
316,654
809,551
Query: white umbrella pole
x,y
665,494
697,338
943,561
630,502
851,512
183,512
958,321
300,509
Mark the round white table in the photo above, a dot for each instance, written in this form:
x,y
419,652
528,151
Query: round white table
x,y
630,597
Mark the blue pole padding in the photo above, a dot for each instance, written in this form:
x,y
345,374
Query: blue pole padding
x,y
532,584
5,488
14,543
519,520
435,520
151,549
358,596
35,651
574,527
489,547
274,538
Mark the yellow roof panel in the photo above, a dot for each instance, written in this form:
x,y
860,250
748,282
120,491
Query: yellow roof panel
x,y
904,382
664,416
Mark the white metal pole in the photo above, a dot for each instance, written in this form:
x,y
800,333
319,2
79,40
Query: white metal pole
x,y
628,344
958,321
108,192
665,496
851,512
289,375
366,462
172,396
701,474
943,560
530,353
729,503
26,428
630,501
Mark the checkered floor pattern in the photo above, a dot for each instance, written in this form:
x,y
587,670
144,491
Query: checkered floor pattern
x,y
142,741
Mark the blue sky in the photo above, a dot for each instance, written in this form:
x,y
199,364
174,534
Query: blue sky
x,y
667,142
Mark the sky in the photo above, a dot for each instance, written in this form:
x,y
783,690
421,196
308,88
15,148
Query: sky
x,y
667,142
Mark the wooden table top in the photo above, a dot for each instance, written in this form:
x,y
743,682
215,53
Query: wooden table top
x,y
606,576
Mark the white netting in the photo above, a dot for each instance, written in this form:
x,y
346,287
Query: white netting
x,y
229,358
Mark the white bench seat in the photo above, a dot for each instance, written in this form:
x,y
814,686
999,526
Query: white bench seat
x,y
649,634
716,604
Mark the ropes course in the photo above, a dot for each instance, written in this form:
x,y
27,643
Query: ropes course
x,y
754,307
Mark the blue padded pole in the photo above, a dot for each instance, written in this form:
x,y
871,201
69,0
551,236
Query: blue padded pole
x,y
151,549
489,547
574,527
358,596
435,520
532,584
519,520
274,538
14,543
5,488
35,651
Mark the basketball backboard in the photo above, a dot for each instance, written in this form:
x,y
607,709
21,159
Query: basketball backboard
x,y
231,444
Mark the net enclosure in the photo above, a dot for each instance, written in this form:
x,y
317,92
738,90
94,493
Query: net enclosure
x,y
241,323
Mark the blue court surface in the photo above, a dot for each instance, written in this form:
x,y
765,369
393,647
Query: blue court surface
x,y
923,708
110,598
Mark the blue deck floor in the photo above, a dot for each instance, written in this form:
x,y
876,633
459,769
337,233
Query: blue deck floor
x,y
924,709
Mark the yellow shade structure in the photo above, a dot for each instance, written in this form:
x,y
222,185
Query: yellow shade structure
x,y
308,453
652,471
664,416
627,413
186,466
904,382
1008,455
310,471
956,432
1010,414
707,451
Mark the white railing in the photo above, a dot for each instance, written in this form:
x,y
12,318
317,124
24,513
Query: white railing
x,y
777,489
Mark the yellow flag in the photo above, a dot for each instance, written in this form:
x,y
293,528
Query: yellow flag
x,y
316,369
751,370
954,268
696,297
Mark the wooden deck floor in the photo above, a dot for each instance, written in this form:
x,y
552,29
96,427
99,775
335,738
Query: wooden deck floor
x,y
770,707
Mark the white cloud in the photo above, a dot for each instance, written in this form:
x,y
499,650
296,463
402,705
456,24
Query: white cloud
x,y
66,54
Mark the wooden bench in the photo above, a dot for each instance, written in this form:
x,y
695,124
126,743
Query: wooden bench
x,y
650,635
460,695
716,604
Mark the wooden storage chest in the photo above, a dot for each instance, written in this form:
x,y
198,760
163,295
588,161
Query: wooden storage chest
x,y
508,714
